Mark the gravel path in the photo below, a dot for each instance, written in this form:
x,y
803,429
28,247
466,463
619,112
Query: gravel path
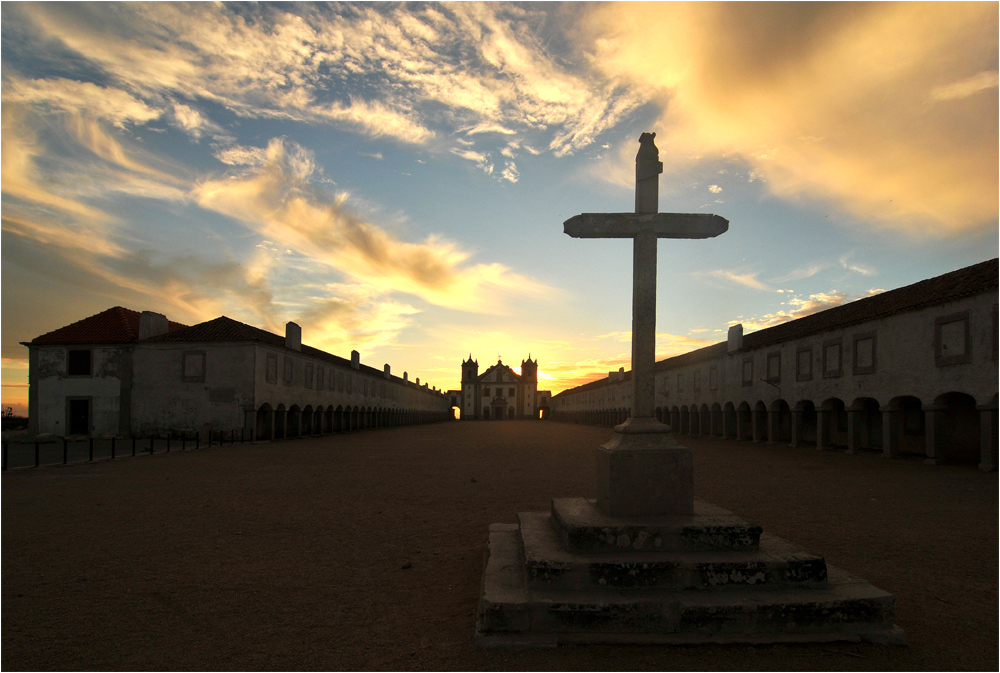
x,y
291,555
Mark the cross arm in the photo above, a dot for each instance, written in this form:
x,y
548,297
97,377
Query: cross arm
x,y
630,225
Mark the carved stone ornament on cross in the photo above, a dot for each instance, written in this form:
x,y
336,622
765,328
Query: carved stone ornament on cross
x,y
642,471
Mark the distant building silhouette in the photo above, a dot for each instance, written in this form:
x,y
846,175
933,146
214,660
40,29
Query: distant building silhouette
x,y
499,393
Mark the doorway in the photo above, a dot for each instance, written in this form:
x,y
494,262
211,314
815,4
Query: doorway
x,y
79,416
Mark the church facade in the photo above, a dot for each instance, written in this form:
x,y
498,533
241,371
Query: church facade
x,y
500,394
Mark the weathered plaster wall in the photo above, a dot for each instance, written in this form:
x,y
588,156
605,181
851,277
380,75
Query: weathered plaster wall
x,y
54,386
163,398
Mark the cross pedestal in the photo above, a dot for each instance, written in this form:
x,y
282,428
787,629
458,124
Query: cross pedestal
x,y
642,471
647,563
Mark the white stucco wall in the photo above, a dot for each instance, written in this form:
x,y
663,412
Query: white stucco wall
x,y
55,386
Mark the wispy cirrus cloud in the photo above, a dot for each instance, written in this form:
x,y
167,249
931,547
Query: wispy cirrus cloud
x,y
279,201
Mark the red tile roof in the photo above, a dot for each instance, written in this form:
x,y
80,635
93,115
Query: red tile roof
x,y
117,325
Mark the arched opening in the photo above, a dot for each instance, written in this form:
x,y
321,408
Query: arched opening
x,y
804,423
280,416
307,421
866,431
338,419
685,424
831,425
903,427
956,431
264,426
456,413
328,420
759,422
781,422
717,425
729,421
744,422
543,413
293,426
675,419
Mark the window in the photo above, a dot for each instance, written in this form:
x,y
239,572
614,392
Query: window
x,y
486,391
79,362
803,364
289,372
864,353
193,366
319,378
713,378
697,381
774,367
748,372
511,393
271,376
309,376
680,383
831,358
951,340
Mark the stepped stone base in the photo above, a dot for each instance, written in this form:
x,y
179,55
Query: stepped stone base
x,y
539,591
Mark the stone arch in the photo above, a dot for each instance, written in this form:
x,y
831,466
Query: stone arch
x,y
717,426
953,428
729,421
744,422
293,424
831,424
338,419
280,422
759,422
675,419
864,425
307,421
779,423
264,423
705,420
903,426
685,418
804,419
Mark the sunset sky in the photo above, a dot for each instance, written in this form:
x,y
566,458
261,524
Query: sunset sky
x,y
394,178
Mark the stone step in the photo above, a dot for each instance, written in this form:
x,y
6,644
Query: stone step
x,y
773,564
583,528
514,614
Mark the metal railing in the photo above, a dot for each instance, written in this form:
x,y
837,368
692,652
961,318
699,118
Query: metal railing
x,y
66,450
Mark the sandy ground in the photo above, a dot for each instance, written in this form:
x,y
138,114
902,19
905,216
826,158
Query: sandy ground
x,y
290,555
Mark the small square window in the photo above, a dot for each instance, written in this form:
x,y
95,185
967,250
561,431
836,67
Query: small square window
x,y
272,368
951,340
193,366
831,358
864,353
79,362
804,364
774,367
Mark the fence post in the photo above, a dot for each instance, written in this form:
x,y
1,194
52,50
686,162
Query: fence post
x,y
65,450
112,448
197,441
232,436
133,446
90,443
183,441
168,442
5,455
36,454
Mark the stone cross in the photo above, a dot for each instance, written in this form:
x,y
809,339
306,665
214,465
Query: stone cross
x,y
644,227
642,471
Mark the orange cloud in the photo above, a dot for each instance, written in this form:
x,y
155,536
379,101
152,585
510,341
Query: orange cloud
x,y
881,108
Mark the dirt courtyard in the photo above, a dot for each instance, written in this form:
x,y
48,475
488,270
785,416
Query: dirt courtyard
x,y
291,555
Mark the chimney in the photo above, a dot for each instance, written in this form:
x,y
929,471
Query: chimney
x,y
355,360
406,377
386,372
735,338
418,381
293,336
152,324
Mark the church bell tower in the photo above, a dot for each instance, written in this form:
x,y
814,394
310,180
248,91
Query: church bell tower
x,y
470,370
